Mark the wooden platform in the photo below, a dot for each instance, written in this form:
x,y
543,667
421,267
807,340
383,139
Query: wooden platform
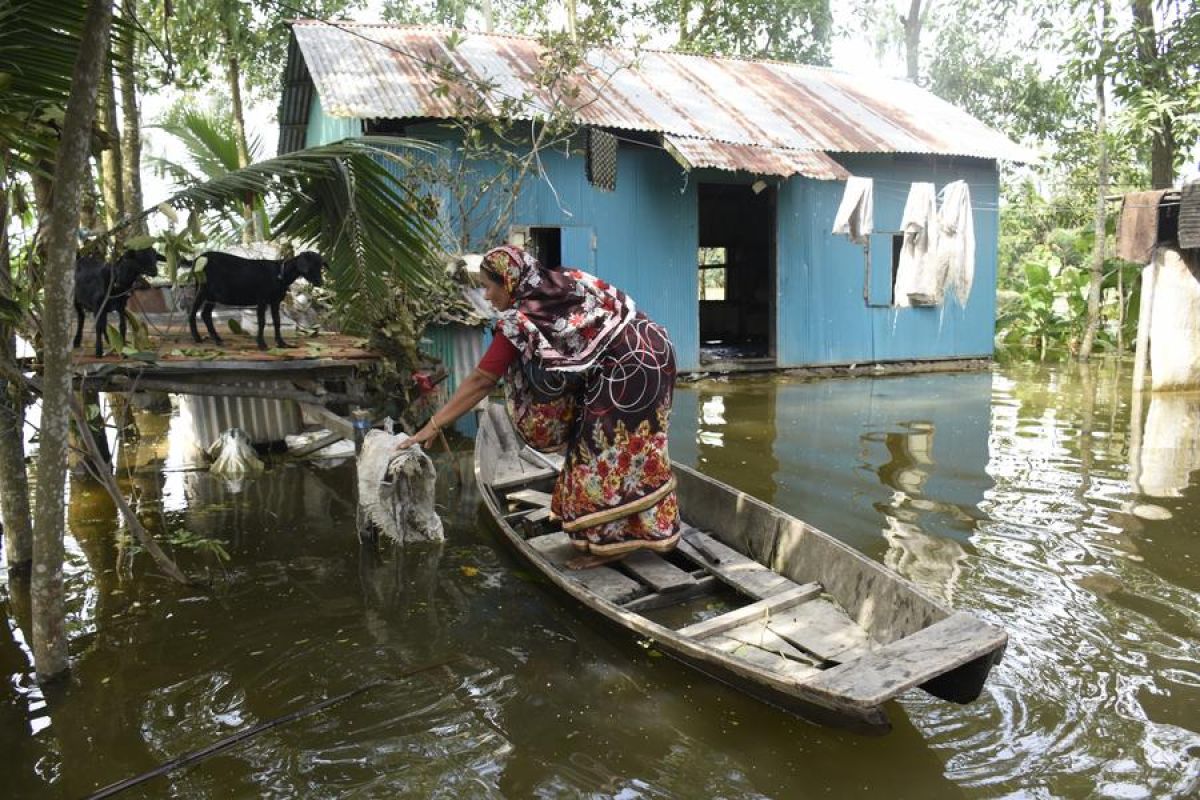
x,y
175,354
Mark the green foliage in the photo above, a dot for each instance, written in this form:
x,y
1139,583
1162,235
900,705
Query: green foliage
x,y
790,30
1156,75
210,151
980,60
190,540
180,537
39,40
208,139
1045,257
206,34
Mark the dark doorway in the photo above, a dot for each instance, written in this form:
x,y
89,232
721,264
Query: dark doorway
x,y
545,244
736,266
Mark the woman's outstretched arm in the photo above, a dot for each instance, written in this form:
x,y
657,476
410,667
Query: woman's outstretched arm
x,y
474,388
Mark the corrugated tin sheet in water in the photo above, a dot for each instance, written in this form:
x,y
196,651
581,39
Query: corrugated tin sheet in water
x,y
389,71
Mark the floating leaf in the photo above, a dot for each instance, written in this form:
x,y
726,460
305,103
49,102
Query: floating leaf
x,y
469,571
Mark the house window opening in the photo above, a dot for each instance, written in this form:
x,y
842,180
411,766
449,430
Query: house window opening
x,y
736,281
712,273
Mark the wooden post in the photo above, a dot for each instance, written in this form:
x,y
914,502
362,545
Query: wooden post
x,y
1146,309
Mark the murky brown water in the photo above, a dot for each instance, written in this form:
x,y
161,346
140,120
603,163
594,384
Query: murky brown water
x,y
1022,495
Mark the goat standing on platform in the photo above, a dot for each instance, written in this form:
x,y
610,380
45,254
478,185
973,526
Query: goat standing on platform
x,y
235,281
101,288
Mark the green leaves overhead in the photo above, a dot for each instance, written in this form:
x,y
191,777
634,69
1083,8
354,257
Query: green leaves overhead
x,y
39,40
208,138
345,201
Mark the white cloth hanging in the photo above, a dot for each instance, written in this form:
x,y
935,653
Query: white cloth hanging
x,y
856,215
955,268
914,273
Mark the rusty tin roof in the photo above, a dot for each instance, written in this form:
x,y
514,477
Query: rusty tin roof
x,y
764,117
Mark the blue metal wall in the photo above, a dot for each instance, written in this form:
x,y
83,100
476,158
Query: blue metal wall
x,y
324,129
823,318
643,238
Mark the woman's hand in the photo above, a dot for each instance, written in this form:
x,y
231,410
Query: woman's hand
x,y
421,437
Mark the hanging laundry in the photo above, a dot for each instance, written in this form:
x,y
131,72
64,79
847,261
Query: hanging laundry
x,y
955,263
919,225
856,215
1189,215
1137,230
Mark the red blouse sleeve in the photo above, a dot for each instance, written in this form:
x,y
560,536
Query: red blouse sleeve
x,y
499,356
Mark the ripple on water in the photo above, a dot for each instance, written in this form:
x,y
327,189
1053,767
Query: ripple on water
x,y
1095,636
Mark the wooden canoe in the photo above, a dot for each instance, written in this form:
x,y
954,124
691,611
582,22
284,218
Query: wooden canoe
x,y
802,621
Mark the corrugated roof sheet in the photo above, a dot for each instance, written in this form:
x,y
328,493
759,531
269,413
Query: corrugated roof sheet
x,y
753,158
391,71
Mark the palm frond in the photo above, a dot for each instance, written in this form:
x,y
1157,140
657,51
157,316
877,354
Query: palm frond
x,y
208,139
39,41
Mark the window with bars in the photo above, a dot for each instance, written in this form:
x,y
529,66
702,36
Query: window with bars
x,y
714,265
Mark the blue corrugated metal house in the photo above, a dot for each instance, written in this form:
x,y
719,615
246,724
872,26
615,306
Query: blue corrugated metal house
x,y
717,215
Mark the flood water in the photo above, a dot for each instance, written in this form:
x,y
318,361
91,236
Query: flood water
x,y
1023,495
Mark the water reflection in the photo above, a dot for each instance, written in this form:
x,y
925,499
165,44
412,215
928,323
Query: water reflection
x,y
1023,497
1170,445
853,457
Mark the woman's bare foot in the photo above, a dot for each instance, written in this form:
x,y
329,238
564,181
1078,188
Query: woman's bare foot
x,y
589,561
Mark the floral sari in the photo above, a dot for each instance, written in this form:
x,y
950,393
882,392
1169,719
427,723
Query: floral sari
x,y
594,379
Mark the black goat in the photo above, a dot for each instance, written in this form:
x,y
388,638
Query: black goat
x,y
101,288
235,281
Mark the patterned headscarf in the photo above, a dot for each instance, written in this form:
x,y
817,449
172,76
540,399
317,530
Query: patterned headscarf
x,y
566,317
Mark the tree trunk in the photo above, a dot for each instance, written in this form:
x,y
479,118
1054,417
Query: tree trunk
x,y
912,39
87,203
234,75
1097,282
131,135
46,585
14,484
571,18
1162,146
685,35
110,154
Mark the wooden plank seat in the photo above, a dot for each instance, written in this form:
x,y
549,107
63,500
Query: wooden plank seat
x,y
911,661
552,461
758,645
705,584
606,582
761,609
745,633
742,573
656,572
817,626
821,627
512,473
537,515
530,497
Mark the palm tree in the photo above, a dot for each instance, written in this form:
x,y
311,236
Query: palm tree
x,y
210,151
